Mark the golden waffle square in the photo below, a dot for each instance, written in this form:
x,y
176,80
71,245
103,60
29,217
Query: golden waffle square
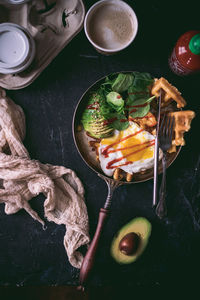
x,y
170,92
183,121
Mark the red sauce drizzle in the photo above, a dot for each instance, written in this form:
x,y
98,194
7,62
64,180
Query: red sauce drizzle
x,y
123,120
145,117
109,121
130,147
96,139
91,106
105,151
139,105
111,163
133,110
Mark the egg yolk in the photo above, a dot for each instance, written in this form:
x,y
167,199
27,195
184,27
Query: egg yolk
x,y
133,145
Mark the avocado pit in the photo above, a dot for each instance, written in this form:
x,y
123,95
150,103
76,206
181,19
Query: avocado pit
x,y
131,240
129,243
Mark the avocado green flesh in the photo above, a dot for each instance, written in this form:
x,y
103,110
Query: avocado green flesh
x,y
93,122
97,128
142,227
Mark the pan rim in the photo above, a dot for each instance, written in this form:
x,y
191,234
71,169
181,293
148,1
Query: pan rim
x,y
101,174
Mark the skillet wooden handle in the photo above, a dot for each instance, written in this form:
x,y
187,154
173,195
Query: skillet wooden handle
x,y
89,258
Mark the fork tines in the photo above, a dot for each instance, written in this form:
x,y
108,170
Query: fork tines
x,y
166,130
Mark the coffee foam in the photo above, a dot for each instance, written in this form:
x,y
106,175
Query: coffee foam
x,y
110,26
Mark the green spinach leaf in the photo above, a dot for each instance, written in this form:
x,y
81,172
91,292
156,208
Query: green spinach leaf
x,y
139,108
141,80
122,83
139,87
118,121
119,124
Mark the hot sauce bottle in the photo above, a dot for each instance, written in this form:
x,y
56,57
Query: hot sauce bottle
x,y
185,57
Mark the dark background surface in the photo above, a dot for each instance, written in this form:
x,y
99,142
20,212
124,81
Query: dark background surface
x,y
31,256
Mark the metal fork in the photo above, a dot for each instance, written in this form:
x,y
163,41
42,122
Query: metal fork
x,y
165,142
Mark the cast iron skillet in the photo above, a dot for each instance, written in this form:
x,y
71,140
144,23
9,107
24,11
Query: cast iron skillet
x,y
81,140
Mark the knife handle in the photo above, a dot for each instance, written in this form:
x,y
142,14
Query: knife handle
x,y
89,258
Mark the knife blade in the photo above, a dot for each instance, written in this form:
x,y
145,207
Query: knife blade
x,y
156,155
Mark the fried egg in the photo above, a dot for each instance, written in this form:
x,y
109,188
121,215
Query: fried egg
x,y
131,150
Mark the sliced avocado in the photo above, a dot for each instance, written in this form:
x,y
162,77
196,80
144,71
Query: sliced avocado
x,y
92,119
131,240
97,128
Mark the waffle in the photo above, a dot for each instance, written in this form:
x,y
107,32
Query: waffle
x,y
169,92
183,121
147,122
117,175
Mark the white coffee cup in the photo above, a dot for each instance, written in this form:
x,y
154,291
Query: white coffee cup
x,y
13,2
110,26
17,48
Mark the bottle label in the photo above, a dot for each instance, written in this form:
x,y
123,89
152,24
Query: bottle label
x,y
176,67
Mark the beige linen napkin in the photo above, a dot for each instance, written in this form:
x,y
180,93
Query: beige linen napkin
x,y
22,179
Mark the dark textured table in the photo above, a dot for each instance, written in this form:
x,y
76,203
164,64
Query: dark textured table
x,y
31,256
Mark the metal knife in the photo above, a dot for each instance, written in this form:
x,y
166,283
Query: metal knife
x,y
156,155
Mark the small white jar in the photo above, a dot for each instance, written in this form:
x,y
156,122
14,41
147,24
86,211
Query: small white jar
x,y
17,48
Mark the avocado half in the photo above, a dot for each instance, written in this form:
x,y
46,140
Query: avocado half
x,y
93,121
141,227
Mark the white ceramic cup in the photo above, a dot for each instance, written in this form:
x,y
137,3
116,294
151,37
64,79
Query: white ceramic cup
x,y
13,2
17,48
110,26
